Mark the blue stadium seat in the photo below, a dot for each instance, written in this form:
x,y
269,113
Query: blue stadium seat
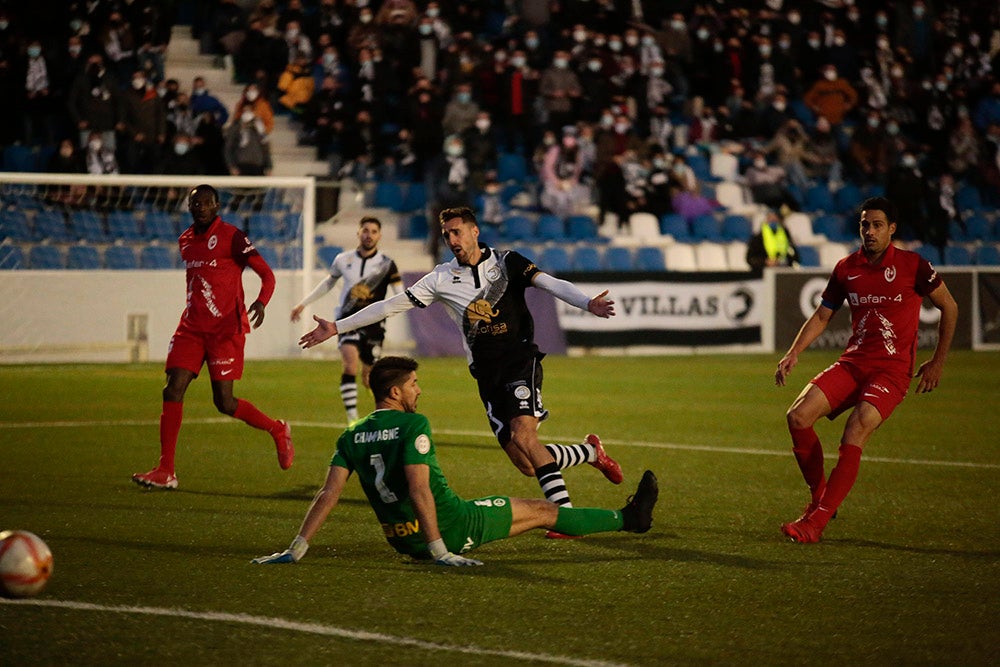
x,y
14,225
617,258
581,228
88,226
51,225
11,257
808,255
706,228
586,258
847,199
120,258
649,258
818,198
700,166
160,226
489,235
518,228
123,226
511,167
968,198
415,198
986,255
388,194
416,227
736,227
269,254
978,227
551,228
957,255
45,257
325,254
676,226
83,257
554,259
833,227
930,253
156,257
20,158
263,227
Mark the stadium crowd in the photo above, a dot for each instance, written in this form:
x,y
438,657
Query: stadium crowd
x,y
606,100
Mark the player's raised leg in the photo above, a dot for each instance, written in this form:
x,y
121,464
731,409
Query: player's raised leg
x,y
589,451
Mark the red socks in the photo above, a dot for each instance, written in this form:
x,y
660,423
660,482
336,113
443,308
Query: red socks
x,y
245,411
809,455
170,426
842,478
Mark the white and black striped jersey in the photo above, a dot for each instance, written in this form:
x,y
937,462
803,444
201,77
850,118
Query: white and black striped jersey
x,y
366,280
487,302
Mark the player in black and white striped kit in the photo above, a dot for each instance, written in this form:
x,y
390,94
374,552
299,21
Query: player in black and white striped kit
x,y
368,275
483,290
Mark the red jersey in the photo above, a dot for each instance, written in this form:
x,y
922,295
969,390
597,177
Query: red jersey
x,y
215,261
885,300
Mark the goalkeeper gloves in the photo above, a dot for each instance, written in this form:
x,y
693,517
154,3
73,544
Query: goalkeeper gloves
x,y
441,556
293,554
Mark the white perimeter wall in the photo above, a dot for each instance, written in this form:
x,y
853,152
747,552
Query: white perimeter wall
x,y
71,316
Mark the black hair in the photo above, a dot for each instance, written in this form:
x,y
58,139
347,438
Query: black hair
x,y
881,204
463,212
389,372
205,188
372,219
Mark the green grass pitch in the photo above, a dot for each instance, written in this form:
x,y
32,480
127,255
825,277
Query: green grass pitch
x,y
908,573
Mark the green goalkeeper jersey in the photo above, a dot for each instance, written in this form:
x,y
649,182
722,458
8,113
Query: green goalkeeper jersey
x,y
377,448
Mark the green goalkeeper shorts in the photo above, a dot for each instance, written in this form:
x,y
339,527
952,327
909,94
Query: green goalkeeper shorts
x,y
482,520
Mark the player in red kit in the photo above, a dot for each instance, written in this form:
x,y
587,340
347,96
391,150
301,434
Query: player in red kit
x,y
213,330
884,287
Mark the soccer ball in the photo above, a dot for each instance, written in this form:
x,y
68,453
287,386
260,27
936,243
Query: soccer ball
x,y
25,564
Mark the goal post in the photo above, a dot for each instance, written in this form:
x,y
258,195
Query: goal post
x,y
115,215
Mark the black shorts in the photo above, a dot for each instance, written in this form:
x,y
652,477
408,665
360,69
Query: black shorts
x,y
368,341
510,392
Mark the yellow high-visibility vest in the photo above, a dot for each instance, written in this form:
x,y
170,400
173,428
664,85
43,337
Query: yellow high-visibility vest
x,y
775,242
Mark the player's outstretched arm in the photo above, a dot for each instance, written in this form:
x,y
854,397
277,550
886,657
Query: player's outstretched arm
x,y
571,294
325,329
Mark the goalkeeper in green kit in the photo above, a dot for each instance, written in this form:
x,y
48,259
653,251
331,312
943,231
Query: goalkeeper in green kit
x,y
392,452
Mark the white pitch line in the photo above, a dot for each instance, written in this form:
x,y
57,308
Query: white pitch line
x,y
315,629
485,434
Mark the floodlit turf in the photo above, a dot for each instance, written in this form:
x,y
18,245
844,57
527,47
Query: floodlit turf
x,y
909,572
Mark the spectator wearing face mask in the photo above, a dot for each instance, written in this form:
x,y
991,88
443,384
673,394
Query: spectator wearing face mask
x,y
768,183
595,87
145,126
518,92
98,157
461,110
869,150
253,100
563,191
559,88
449,180
39,113
907,186
297,85
204,102
66,159
247,151
480,149
831,97
95,103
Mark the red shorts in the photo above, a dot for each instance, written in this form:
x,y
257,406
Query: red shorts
x,y
845,385
189,350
